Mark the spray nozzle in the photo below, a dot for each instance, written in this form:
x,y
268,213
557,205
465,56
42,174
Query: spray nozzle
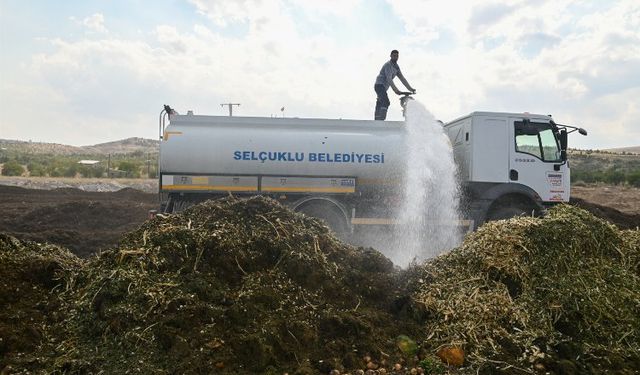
x,y
406,96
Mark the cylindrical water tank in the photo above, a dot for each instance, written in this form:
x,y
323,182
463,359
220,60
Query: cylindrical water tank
x,y
202,145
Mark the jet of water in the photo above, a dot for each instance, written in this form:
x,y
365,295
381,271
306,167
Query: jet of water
x,y
429,212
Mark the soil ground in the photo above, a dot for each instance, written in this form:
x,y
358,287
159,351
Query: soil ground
x,y
85,222
85,184
618,204
88,221
623,198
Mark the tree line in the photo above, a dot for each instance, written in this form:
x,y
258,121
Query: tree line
x,y
612,176
136,165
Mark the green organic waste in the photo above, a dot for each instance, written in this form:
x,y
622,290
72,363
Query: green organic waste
x,y
246,286
32,279
559,293
231,286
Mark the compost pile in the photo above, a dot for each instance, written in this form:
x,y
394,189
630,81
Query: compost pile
x,y
248,286
559,294
32,278
232,286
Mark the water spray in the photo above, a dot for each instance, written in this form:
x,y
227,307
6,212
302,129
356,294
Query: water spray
x,y
430,196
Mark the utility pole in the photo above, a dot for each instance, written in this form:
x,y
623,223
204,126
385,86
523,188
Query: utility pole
x,y
230,105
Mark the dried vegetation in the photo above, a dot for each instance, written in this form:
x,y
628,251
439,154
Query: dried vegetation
x,y
247,286
559,294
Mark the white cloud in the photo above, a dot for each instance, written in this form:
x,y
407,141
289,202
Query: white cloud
x,y
332,8
562,57
95,23
558,57
224,13
107,83
484,15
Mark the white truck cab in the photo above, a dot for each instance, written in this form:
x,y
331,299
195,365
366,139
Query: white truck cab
x,y
510,163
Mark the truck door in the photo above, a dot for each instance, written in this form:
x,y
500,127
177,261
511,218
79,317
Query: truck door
x,y
535,160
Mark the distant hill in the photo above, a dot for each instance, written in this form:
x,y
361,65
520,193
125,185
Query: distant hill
x,y
127,146
620,150
124,146
595,161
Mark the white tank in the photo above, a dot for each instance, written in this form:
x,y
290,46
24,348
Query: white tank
x,y
258,146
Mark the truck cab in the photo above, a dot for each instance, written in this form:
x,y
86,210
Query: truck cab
x,y
509,163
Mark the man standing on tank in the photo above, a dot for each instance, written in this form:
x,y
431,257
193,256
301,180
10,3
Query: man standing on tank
x,y
389,71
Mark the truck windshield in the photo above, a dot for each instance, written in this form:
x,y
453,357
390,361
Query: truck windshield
x,y
537,139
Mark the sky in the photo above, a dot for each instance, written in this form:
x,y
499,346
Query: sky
x,y
82,72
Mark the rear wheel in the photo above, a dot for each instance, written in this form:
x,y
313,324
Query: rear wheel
x,y
503,212
179,203
331,215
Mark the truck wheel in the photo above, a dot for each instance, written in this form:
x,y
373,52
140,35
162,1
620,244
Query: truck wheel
x,y
328,213
181,205
507,212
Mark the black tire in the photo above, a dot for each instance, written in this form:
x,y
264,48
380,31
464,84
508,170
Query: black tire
x,y
329,214
177,204
181,205
507,212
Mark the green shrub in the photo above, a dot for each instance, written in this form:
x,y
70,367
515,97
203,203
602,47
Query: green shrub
x,y
70,171
614,176
98,171
94,171
12,168
633,178
131,168
54,172
36,169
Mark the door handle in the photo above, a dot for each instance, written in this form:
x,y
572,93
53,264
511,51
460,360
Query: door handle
x,y
513,175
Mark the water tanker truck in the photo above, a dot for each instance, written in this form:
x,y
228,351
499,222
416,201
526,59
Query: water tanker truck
x,y
349,172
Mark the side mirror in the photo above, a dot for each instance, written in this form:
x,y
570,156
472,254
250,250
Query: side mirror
x,y
563,144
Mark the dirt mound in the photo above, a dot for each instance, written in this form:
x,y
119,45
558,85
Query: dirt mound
x,y
622,219
554,294
84,222
132,194
31,276
126,193
234,286
15,189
